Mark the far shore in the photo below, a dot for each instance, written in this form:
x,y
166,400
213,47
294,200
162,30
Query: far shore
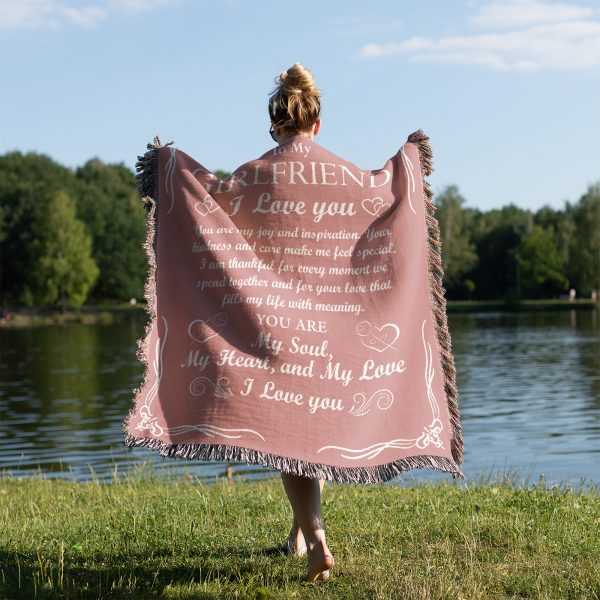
x,y
106,313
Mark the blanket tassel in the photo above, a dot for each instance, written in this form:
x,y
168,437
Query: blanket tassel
x,y
438,299
222,452
147,186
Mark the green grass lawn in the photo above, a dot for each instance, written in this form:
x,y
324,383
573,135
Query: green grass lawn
x,y
148,536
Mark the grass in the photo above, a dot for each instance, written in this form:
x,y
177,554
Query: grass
x,y
151,536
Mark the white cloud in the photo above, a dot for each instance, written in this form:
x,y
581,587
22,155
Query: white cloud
x,y
552,36
519,13
55,14
138,5
86,16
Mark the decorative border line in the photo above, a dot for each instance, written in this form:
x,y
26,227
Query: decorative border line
x,y
410,176
438,299
147,187
147,184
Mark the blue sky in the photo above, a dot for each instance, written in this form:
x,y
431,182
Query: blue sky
x,y
507,90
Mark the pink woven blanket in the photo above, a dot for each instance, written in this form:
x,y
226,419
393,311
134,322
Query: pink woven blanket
x,y
297,317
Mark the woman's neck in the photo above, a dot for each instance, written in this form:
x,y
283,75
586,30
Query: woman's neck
x,y
282,140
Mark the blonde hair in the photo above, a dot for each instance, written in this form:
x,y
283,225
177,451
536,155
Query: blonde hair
x,y
295,104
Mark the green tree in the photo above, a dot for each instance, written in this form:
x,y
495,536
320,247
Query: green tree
x,y
540,265
562,226
507,252
458,250
25,181
111,208
469,286
584,250
65,270
496,233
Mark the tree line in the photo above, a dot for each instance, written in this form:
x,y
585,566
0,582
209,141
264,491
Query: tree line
x,y
74,236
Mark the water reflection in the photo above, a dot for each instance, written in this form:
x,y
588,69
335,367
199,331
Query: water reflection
x,y
529,395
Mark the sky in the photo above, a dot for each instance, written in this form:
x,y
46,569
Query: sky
x,y
508,91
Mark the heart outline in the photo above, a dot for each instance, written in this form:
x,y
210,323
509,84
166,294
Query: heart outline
x,y
377,203
206,206
381,337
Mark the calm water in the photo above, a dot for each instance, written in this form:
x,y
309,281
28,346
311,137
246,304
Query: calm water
x,y
529,395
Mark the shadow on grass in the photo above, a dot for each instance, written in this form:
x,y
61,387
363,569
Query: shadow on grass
x,y
132,575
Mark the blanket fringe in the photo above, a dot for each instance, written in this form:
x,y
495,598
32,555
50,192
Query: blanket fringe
x,y
147,185
438,299
223,452
147,176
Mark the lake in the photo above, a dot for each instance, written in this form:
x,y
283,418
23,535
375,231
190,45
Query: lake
x,y
529,396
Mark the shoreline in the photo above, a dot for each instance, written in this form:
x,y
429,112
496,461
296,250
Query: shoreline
x,y
102,314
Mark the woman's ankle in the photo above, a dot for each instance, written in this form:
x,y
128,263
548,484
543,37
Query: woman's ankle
x,y
316,540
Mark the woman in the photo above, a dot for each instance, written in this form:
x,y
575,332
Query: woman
x,y
294,109
378,319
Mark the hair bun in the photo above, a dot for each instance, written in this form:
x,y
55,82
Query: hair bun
x,y
295,103
297,80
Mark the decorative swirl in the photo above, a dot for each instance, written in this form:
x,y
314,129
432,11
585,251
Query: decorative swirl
x,y
362,406
149,422
385,399
431,435
199,385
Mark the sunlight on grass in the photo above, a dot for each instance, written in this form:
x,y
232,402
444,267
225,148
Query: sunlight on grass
x,y
149,535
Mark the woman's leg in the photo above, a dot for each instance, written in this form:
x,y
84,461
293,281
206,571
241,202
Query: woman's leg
x,y
304,494
297,544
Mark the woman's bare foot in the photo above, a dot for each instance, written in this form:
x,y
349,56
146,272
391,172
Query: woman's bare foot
x,y
320,560
295,543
